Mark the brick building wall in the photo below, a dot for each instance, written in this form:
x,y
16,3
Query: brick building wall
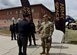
x,y
38,11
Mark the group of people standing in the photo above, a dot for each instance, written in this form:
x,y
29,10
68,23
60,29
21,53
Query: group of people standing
x,y
25,30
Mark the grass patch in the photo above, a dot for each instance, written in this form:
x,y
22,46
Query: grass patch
x,y
5,32
71,36
72,42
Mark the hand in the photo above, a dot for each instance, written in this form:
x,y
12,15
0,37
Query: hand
x,y
38,32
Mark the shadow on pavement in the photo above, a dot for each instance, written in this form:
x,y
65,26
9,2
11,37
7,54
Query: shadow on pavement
x,y
33,46
59,54
59,47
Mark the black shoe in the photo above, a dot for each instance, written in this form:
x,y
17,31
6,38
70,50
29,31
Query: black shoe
x,y
24,54
35,44
15,39
11,39
20,53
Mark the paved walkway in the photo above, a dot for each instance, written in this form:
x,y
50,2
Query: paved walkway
x,y
8,47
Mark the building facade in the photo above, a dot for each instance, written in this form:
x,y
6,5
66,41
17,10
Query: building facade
x,y
38,10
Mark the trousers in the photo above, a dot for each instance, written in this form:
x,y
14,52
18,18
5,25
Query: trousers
x,y
22,44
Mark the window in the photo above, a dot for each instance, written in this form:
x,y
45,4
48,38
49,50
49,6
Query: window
x,y
10,12
16,12
32,10
20,11
7,13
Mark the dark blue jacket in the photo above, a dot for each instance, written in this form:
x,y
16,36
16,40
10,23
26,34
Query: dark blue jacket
x,y
13,27
23,27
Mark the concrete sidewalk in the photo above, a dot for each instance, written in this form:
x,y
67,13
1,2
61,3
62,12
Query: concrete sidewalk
x,y
8,47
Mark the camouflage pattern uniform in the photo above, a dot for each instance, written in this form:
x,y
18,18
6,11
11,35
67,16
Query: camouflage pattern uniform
x,y
46,30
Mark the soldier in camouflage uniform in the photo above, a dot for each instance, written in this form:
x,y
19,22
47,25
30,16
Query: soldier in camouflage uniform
x,y
46,31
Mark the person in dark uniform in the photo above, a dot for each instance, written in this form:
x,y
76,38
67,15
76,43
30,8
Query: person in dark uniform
x,y
23,30
32,34
13,31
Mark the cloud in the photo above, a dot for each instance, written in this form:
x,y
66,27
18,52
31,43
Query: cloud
x,y
13,3
71,8
9,3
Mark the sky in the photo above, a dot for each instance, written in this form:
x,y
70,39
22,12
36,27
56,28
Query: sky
x,y
71,5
